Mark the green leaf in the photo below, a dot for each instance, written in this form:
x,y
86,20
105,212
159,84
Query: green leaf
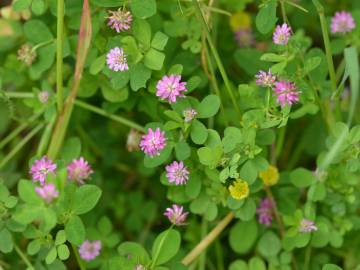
x,y
166,246
133,250
243,236
38,7
199,132
331,267
266,18
105,225
272,57
86,197
114,95
249,172
97,65
193,186
142,32
51,256
75,230
238,265
63,252
352,66
317,192
33,247
37,31
269,244
256,263
45,59
301,177
182,150
19,5
143,8
154,59
210,156
139,75
131,50
159,41
208,107
312,63
26,191
6,243
152,162
71,149
60,237
247,210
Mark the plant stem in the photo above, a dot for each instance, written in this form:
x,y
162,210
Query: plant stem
x,y
190,257
45,138
23,257
219,255
204,229
280,141
19,94
283,11
215,84
17,148
18,130
114,117
217,57
59,54
78,259
325,34
275,210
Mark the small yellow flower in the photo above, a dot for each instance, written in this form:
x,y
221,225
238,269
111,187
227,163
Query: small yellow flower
x,y
240,20
270,177
239,189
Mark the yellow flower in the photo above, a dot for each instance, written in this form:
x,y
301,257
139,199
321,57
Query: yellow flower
x,y
270,177
240,20
239,189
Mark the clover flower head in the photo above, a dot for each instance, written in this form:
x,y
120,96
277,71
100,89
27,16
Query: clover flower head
x,y
133,140
239,189
26,54
176,214
89,250
170,87
342,22
264,212
48,192
43,96
282,34
270,177
79,170
139,267
286,93
265,79
153,142
41,168
307,226
244,37
177,173
119,20
189,114
116,59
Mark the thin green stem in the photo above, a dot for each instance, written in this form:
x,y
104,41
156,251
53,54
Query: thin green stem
x,y
23,257
280,142
78,259
217,57
45,138
204,229
19,94
219,255
42,44
114,117
215,84
59,54
18,130
283,11
325,34
18,147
